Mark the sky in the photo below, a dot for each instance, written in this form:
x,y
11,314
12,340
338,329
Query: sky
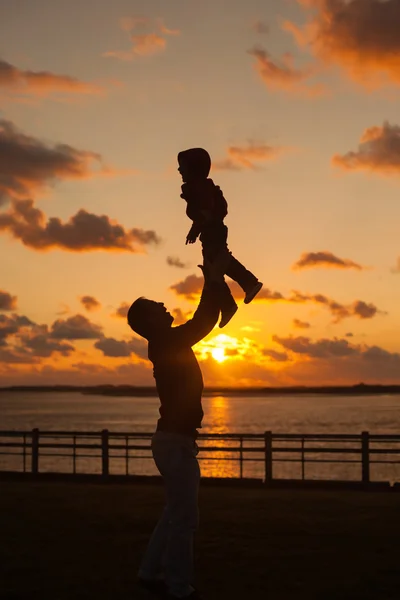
x,y
297,103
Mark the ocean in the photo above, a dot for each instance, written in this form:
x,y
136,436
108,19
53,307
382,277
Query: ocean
x,y
311,413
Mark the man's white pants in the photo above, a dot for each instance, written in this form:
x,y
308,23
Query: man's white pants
x,y
170,550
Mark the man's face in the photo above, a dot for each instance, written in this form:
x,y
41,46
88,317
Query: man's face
x,y
157,314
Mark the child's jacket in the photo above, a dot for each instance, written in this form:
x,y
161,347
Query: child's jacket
x,y
205,201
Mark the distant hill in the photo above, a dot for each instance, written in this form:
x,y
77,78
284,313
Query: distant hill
x,y
141,391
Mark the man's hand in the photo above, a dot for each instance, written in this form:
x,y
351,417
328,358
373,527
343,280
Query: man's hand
x,y
215,271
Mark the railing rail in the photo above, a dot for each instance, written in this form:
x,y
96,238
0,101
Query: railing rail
x,y
104,447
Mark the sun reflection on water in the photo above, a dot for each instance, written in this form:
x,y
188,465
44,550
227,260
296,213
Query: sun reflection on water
x,y
218,419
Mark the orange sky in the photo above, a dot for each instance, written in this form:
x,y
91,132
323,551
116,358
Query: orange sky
x,y
296,103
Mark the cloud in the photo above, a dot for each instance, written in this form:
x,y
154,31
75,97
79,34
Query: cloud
x,y
146,44
119,348
336,361
42,346
380,355
260,27
174,261
324,259
28,165
396,270
165,30
23,341
83,232
11,355
246,157
7,302
41,83
181,316
140,22
275,355
265,295
339,311
142,44
359,36
250,329
378,151
11,325
244,373
244,349
130,23
122,311
323,348
3,198
363,310
284,76
190,289
90,303
77,327
369,364
64,310
301,324
81,373
293,360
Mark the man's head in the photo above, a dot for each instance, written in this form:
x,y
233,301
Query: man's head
x,y
145,316
194,163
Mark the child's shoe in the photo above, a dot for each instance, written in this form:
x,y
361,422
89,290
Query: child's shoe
x,y
252,293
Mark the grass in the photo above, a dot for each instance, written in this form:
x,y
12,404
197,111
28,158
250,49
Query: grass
x,y
70,541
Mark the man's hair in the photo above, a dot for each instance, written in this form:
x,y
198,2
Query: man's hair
x,y
137,316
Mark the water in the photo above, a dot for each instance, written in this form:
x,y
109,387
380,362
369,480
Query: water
x,y
223,414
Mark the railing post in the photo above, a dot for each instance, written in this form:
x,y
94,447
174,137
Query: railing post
x,y
104,453
35,451
74,455
268,456
365,456
241,457
24,453
126,455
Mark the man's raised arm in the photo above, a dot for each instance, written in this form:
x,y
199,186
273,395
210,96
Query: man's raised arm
x,y
205,317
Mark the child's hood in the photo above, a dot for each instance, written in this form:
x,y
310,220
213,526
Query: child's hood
x,y
196,160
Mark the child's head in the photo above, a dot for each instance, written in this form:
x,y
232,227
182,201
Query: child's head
x,y
194,163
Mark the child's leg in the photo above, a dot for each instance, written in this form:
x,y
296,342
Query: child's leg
x,y
226,299
214,240
212,252
249,282
241,275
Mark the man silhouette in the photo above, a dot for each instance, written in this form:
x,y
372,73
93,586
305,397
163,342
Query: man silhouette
x,y
167,566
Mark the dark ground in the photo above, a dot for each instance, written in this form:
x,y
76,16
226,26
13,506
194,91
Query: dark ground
x,y
62,541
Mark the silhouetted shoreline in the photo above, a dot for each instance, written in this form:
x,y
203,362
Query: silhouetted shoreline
x,y
360,389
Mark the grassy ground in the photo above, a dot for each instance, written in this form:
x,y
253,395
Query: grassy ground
x,y
72,541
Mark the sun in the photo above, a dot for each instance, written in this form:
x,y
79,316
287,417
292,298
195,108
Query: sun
x,y
221,348
218,354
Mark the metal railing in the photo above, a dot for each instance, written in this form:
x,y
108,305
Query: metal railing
x,y
269,453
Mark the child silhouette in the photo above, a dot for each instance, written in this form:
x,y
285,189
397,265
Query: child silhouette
x,y
207,208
